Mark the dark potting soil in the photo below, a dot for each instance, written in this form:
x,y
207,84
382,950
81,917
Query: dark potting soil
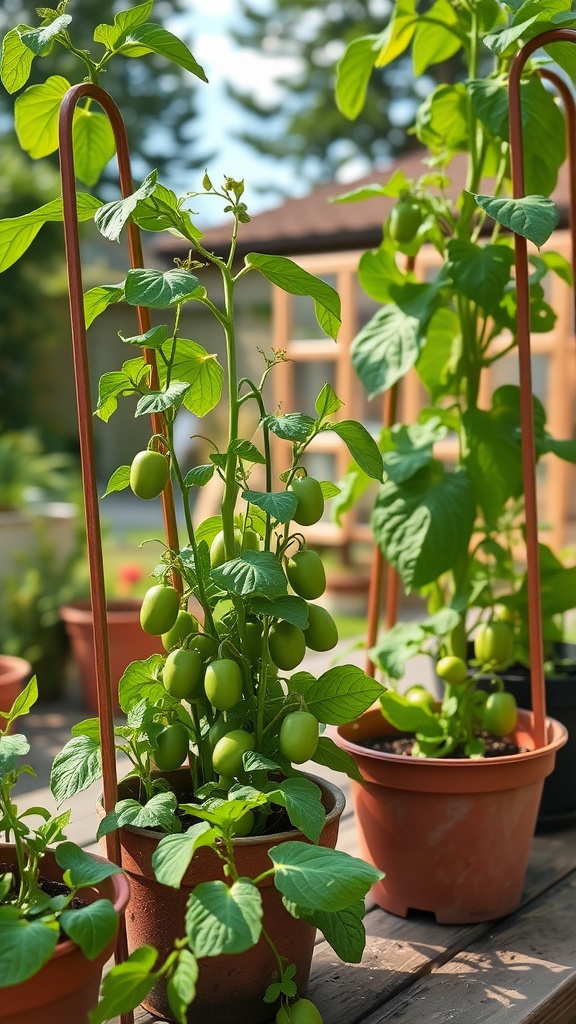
x,y
495,746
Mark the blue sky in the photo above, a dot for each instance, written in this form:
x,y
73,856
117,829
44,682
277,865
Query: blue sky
x,y
209,25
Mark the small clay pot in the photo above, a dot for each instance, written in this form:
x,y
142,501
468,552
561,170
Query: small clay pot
x,y
452,835
230,988
14,674
68,986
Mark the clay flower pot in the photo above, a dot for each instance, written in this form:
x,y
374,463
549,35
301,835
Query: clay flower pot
x,y
127,642
452,835
68,986
230,988
14,674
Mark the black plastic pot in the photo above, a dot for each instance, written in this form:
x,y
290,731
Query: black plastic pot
x,y
558,803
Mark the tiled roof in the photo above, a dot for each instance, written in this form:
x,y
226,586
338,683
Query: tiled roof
x,y
314,224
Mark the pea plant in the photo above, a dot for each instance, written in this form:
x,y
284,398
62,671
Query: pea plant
x,y
32,917
461,555
235,602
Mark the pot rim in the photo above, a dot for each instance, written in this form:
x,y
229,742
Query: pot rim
x,y
330,787
556,732
118,610
13,663
120,901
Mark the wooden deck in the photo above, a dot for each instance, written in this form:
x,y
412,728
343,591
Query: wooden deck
x,y
521,970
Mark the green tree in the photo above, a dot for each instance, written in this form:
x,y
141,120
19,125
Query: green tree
x,y
304,126
158,99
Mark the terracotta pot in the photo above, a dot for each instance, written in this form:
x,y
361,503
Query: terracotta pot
x,y
67,987
127,642
453,836
230,988
14,674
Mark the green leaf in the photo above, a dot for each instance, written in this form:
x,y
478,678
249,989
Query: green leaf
x,y
36,114
494,459
157,813
16,60
154,338
408,717
96,300
386,348
24,701
331,756
293,609
81,869
39,40
319,878
159,290
302,799
140,680
126,985
75,767
113,386
438,360
343,930
480,272
544,135
141,39
406,450
398,34
199,476
181,986
92,927
329,490
88,727
292,426
11,748
124,20
111,218
503,39
339,695
280,505
327,402
94,144
354,73
26,946
442,120
361,445
18,233
489,101
159,401
173,854
254,573
247,451
119,480
533,217
423,525
223,919
377,271
435,43
201,370
291,278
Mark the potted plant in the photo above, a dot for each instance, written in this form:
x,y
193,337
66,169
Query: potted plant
x,y
448,531
234,852
59,908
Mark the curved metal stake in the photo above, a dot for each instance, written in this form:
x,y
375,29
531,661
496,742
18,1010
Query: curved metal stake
x,y
526,416
84,405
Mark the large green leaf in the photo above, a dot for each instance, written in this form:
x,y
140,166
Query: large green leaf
x,y
317,878
254,573
158,401
438,39
544,135
494,459
386,348
442,120
92,927
291,426
159,290
94,144
343,929
141,678
533,217
18,233
181,986
12,748
280,505
96,300
361,445
480,272
124,20
438,360
339,695
126,985
222,918
331,756
75,767
423,525
112,217
81,869
406,450
302,799
157,813
293,279
291,608
354,73
39,40
377,271
26,946
140,39
36,114
200,369
16,60
114,385
173,854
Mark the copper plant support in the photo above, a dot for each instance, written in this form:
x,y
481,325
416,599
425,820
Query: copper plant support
x,y
84,406
526,416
